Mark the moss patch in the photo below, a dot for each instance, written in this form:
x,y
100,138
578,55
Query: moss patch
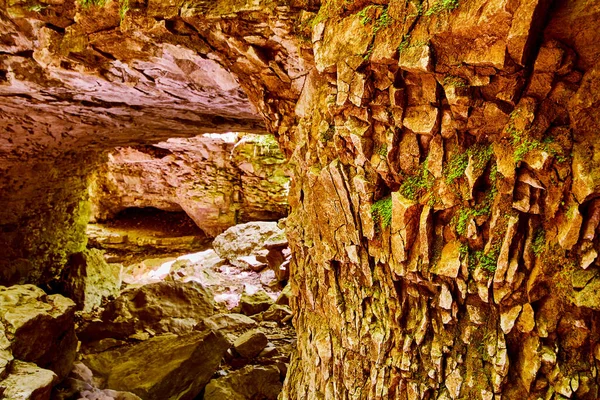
x,y
414,185
382,212
441,6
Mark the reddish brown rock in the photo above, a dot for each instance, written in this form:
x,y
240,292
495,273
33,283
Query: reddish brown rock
x,y
218,180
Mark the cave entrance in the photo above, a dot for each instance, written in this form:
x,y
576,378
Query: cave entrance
x,y
158,222
191,228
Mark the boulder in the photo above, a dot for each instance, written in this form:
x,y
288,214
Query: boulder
x,y
27,381
40,327
251,262
90,279
251,343
284,296
251,304
245,239
268,278
6,356
160,307
230,323
277,313
250,382
164,367
81,385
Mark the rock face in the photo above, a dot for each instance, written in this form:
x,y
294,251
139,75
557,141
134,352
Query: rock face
x,y
160,307
164,367
27,381
445,164
218,180
37,328
246,383
89,279
447,203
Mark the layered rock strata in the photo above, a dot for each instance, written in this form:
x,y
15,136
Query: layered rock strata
x,y
218,180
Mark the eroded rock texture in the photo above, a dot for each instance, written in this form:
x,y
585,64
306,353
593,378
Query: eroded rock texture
x,y
444,225
444,204
218,180
81,78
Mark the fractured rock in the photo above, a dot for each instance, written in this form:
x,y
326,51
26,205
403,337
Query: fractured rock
x,y
250,382
251,343
251,304
27,381
160,307
164,367
589,296
276,313
242,240
41,327
231,325
284,296
89,279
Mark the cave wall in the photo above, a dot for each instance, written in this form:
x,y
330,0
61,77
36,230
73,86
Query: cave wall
x,y
444,202
78,79
43,216
445,207
217,180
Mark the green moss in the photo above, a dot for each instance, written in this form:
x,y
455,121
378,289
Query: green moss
x,y
456,81
382,150
89,3
479,153
456,167
328,134
483,208
462,219
36,7
413,185
524,144
327,10
442,6
381,211
266,141
487,261
539,241
383,21
406,43
123,8
364,14
463,249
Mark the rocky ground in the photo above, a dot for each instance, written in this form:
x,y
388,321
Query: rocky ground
x,y
209,324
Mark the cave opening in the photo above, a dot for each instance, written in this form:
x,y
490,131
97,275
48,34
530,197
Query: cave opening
x,y
187,235
164,223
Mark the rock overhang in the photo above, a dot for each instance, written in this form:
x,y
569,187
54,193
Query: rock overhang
x,y
58,94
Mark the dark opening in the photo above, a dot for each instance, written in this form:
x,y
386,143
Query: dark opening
x,y
165,223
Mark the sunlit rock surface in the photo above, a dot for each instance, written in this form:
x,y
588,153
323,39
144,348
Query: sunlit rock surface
x,y
37,328
218,180
446,177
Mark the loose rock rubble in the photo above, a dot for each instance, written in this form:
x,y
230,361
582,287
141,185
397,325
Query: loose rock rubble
x,y
174,315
